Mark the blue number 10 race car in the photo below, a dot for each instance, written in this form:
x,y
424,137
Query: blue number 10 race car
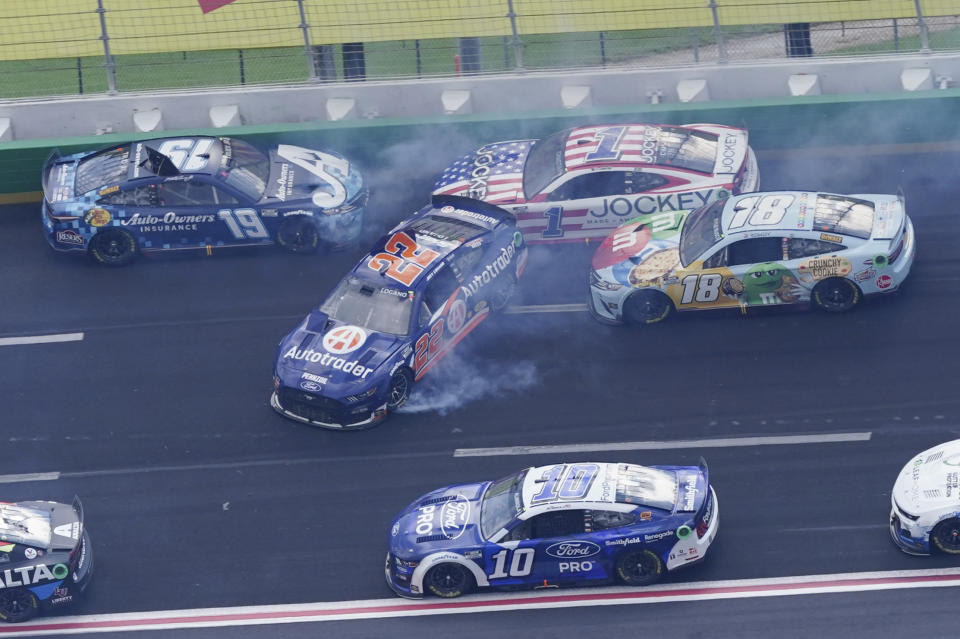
x,y
564,524
200,193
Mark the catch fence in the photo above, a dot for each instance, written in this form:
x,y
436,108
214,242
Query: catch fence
x,y
69,47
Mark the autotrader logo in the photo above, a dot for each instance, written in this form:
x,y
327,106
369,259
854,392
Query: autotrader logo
x,y
344,339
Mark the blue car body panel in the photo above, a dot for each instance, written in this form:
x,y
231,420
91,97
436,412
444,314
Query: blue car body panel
x,y
555,539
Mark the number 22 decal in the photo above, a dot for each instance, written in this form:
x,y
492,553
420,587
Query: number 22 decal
x,y
428,345
403,258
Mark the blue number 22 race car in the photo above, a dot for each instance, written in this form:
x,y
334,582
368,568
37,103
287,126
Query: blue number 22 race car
x,y
198,193
557,525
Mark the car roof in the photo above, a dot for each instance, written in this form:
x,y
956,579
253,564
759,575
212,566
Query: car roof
x,y
638,145
611,483
442,227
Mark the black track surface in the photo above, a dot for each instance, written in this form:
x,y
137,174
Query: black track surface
x,y
198,495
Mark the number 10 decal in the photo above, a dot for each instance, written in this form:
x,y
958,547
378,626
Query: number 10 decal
x,y
521,564
577,479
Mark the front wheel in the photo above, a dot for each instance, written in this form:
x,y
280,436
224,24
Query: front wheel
x,y
946,536
835,295
113,247
298,234
18,604
646,307
639,567
448,580
400,386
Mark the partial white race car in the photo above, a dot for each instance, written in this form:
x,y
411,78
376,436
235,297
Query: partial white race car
x,y
925,502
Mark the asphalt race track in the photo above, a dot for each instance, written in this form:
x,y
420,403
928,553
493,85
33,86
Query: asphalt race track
x,y
198,495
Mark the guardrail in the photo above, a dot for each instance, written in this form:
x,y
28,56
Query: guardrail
x,y
68,47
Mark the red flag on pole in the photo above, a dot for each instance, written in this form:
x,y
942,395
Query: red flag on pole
x,y
211,5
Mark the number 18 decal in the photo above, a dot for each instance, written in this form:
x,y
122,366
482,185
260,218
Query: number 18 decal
x,y
761,211
702,288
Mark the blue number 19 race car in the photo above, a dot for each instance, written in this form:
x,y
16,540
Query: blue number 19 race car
x,y
200,193
557,525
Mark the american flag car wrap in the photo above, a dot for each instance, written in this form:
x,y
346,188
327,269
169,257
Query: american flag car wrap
x,y
578,185
494,173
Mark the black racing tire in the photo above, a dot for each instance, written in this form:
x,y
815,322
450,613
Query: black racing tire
x,y
401,383
501,292
18,605
836,295
113,247
298,234
646,307
639,567
448,580
946,536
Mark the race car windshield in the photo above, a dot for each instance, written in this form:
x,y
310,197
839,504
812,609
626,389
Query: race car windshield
x,y
544,163
106,167
377,308
701,230
24,525
247,169
501,503
687,149
843,215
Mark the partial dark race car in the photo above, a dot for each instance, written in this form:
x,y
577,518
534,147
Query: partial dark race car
x,y
199,193
422,288
46,560
559,525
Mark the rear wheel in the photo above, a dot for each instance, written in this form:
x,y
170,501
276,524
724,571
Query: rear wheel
x,y
448,580
835,295
646,307
18,604
298,234
946,536
639,567
502,292
113,247
400,386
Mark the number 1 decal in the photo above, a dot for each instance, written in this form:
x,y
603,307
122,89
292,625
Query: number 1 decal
x,y
607,147
554,217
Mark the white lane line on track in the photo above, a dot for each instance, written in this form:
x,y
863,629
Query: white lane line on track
x,y
25,477
722,442
547,308
493,602
41,339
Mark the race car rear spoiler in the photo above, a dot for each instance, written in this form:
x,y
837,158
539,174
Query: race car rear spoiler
x,y
55,182
470,204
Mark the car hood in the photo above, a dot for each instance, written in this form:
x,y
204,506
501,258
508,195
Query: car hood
x,y
642,252
493,173
300,175
441,520
931,480
337,359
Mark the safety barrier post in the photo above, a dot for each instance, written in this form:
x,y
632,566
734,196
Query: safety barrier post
x,y
515,41
718,33
308,50
107,56
924,34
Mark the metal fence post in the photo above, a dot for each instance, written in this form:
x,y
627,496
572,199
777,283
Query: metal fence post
x,y
308,50
718,33
107,56
924,34
515,41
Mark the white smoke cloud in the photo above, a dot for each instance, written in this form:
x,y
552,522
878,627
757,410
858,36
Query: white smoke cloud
x,y
460,379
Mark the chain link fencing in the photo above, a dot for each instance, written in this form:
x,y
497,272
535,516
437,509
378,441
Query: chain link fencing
x,y
73,47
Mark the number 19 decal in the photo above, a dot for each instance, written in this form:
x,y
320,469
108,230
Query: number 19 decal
x,y
702,288
521,564
245,224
